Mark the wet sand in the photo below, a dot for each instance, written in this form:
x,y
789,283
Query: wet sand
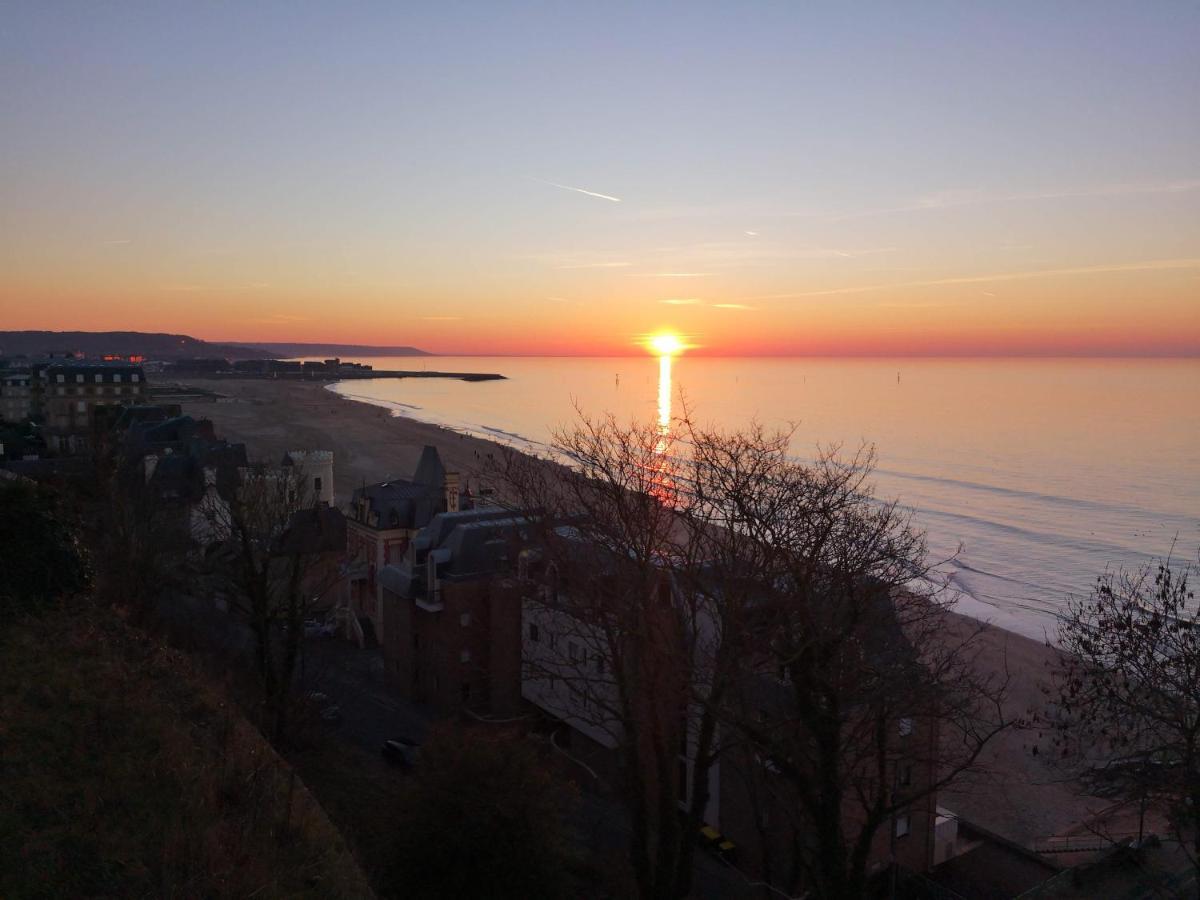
x,y
1021,797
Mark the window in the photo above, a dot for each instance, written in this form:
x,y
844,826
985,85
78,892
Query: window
x,y
116,378
465,619
79,379
906,727
317,485
60,378
135,378
902,825
533,633
99,378
81,406
905,775
465,656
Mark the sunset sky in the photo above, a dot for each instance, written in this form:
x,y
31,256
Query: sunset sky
x,y
893,179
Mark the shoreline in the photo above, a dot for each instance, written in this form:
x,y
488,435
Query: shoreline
x,y
1022,798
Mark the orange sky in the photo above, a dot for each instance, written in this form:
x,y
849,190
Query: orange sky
x,y
521,181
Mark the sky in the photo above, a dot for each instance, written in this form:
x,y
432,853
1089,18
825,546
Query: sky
x,y
537,178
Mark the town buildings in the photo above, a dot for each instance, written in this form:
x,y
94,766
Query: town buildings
x,y
16,396
383,519
452,620
64,396
71,394
315,471
478,621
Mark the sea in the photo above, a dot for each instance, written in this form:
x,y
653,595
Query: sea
x,y
1030,477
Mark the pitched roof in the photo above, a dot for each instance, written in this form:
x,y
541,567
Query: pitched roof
x,y
430,471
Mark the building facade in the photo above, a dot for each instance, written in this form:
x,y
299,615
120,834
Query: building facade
x,y
382,520
452,619
67,397
16,396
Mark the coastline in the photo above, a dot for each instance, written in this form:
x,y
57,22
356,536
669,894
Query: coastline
x,y
1021,797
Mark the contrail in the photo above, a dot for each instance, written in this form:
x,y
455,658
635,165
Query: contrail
x,y
567,187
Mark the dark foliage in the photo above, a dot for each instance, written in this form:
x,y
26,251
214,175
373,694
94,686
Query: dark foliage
x,y
483,818
41,558
1127,698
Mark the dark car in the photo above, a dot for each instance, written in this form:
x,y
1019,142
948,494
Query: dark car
x,y
401,753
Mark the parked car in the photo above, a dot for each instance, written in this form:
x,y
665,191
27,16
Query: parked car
x,y
401,753
315,628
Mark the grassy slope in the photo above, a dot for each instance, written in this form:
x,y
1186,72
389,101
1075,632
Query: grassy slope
x,y
123,774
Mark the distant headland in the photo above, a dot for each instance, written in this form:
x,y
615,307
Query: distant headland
x,y
162,346
285,350
93,344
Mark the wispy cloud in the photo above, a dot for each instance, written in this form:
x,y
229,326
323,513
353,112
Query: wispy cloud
x,y
950,199
1146,266
731,306
681,301
578,190
278,318
750,233
598,265
670,274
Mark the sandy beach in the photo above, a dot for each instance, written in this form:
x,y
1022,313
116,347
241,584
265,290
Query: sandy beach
x,y
1021,797
369,444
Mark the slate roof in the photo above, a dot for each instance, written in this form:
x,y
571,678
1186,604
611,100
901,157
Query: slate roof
x,y
464,544
407,504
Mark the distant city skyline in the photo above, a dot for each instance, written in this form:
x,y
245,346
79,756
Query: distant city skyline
x,y
938,179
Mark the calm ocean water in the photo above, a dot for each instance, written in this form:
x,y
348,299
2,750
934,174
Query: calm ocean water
x,y
1045,471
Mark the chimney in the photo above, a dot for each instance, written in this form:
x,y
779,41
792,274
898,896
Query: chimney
x,y
451,492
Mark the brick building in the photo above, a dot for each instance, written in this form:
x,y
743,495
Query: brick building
x,y
452,619
383,519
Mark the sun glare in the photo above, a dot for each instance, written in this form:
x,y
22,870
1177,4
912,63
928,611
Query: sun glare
x,y
666,344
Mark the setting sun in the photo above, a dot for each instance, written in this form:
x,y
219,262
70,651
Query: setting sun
x,y
666,344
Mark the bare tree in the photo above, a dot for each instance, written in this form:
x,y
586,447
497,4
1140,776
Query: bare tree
x,y
847,703
730,604
279,556
605,641
1126,699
